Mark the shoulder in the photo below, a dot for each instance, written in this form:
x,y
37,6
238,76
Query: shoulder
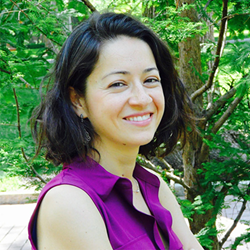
x,y
69,219
66,195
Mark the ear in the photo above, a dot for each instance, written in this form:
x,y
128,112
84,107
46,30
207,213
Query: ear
x,y
77,102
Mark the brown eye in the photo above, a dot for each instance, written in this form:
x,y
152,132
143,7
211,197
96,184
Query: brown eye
x,y
117,85
152,81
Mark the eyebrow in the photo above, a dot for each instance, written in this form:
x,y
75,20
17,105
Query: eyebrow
x,y
121,72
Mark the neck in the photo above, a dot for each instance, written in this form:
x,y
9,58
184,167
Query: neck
x,y
119,161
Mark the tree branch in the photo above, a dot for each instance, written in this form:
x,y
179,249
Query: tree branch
x,y
166,164
8,14
24,81
219,103
226,114
20,136
11,125
206,5
148,164
228,233
205,148
18,114
12,11
218,124
236,14
169,174
89,5
206,16
5,71
220,43
35,24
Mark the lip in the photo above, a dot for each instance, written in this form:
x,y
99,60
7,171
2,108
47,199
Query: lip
x,y
139,123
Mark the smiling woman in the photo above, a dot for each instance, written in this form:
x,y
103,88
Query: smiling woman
x,y
115,93
125,86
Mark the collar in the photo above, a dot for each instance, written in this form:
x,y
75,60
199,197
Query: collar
x,y
101,181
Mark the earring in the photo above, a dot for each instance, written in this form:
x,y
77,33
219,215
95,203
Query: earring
x,y
81,116
87,137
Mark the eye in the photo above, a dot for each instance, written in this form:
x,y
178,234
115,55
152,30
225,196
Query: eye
x,y
117,85
152,81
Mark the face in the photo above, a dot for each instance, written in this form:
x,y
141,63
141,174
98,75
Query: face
x,y
124,98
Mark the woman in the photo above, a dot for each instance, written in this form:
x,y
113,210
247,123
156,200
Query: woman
x,y
115,93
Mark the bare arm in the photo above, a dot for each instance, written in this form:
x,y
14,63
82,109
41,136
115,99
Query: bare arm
x,y
180,227
68,219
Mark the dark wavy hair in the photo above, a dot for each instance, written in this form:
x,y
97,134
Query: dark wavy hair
x,y
55,125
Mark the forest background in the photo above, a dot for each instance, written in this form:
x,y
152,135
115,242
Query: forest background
x,y
210,43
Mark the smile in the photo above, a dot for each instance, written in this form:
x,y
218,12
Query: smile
x,y
138,118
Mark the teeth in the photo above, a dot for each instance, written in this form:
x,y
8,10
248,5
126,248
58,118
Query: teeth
x,y
138,118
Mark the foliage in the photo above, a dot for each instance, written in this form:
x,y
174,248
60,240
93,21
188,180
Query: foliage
x,y
244,238
222,175
10,184
238,12
31,34
169,23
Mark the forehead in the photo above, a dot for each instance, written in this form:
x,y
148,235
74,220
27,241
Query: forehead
x,y
125,51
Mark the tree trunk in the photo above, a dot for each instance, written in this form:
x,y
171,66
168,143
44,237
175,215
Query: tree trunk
x,y
190,58
149,11
190,71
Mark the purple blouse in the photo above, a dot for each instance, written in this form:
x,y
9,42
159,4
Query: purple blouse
x,y
127,227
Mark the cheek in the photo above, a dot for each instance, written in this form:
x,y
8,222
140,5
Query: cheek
x,y
159,100
102,107
163,103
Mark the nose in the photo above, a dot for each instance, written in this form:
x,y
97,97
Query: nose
x,y
139,96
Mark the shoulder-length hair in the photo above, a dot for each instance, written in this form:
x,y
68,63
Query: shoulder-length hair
x,y
55,125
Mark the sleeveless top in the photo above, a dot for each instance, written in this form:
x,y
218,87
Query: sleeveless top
x,y
127,227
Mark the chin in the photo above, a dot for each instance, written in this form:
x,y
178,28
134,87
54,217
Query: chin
x,y
145,141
